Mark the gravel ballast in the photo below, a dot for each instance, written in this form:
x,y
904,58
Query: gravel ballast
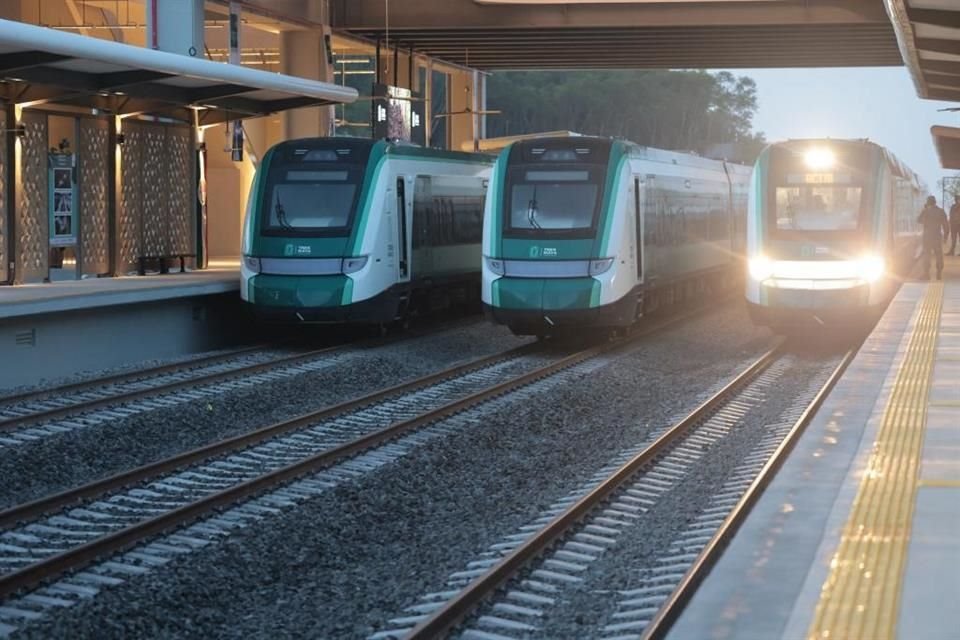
x,y
70,459
342,564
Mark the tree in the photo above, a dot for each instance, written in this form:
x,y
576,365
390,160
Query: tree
x,y
686,110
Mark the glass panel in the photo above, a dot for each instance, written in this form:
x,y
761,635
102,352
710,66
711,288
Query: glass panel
x,y
322,205
818,208
553,206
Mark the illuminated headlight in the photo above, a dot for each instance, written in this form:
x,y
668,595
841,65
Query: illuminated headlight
x,y
871,268
352,265
819,159
761,268
600,266
253,264
495,265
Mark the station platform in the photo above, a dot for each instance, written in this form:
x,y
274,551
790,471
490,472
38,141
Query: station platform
x,y
69,295
55,330
858,536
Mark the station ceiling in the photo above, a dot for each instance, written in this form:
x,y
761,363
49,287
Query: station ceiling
x,y
532,34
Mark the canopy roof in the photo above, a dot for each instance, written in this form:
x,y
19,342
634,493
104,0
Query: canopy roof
x,y
928,32
40,65
947,141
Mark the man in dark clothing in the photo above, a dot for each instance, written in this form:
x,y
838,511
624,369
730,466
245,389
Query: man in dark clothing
x,y
954,224
935,230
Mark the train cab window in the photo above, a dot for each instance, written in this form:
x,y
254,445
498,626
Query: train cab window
x,y
558,200
312,192
818,207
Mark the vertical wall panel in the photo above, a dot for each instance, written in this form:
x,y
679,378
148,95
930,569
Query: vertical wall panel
x,y
130,207
93,151
157,213
181,189
4,259
32,215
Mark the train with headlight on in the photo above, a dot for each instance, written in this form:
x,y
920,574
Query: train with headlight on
x,y
831,231
348,230
594,232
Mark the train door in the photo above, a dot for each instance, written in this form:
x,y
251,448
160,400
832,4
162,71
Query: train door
x,y
423,223
403,230
638,218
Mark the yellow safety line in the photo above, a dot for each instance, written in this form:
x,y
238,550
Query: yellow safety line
x,y
940,484
861,596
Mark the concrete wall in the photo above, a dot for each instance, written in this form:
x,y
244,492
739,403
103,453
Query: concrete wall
x,y
92,340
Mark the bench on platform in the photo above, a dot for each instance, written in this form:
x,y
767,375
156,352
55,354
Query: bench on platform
x,y
161,262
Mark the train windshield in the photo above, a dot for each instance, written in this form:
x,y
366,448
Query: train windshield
x,y
313,193
818,207
555,200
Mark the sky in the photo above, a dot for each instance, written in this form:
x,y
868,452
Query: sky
x,y
879,103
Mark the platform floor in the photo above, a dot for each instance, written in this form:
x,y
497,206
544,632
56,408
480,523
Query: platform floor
x,y
53,297
858,536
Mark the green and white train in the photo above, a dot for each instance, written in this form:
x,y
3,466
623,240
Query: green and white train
x,y
593,232
830,231
361,231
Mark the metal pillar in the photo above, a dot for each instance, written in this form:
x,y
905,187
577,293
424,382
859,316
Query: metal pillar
x,y
304,54
10,169
114,196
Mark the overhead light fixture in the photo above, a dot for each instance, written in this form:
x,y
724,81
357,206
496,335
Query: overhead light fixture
x,y
121,138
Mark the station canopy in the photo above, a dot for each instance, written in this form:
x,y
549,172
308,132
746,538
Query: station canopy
x,y
928,33
40,65
947,141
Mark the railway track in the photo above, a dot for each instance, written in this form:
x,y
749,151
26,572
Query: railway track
x,y
511,589
48,538
37,414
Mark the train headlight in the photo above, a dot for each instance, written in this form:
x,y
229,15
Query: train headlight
x,y
253,264
871,268
495,265
761,268
352,265
819,159
600,266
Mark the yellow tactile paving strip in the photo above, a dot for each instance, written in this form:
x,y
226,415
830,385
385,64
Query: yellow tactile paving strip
x,y
860,598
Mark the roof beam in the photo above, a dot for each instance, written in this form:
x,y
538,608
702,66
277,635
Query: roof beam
x,y
27,59
468,14
938,17
940,45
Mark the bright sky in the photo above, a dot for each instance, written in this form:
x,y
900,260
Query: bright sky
x,y
876,103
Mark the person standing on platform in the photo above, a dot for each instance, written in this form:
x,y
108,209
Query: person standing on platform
x,y
954,224
935,231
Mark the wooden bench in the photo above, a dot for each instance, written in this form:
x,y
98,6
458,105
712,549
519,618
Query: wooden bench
x,y
161,262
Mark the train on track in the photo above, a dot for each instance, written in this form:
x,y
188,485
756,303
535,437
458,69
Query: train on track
x,y
360,231
831,230
594,232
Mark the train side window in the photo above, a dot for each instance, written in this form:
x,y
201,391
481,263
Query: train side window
x,y
422,212
639,226
402,219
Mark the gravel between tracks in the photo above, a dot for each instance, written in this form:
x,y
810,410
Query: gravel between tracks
x,y
57,463
339,566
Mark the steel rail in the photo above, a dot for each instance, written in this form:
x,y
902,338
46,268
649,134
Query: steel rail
x,y
18,422
127,376
79,556
671,609
47,504
458,608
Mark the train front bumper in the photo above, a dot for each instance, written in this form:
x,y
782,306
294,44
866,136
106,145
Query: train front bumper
x,y
321,299
534,305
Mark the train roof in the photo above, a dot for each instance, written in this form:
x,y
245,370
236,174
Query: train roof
x,y
898,167
387,147
630,149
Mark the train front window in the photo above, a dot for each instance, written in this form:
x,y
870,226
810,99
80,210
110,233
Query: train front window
x,y
306,201
818,207
558,200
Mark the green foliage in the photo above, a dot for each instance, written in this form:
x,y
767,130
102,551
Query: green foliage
x,y
685,110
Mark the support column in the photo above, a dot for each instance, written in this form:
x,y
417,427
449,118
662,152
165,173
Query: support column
x,y
10,178
114,195
305,54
